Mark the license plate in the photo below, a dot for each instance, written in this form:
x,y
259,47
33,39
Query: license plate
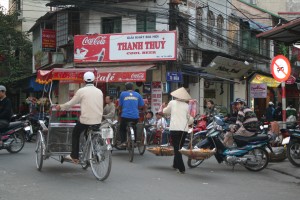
x,y
27,128
286,140
107,133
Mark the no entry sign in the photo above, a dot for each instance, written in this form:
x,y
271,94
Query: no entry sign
x,y
281,68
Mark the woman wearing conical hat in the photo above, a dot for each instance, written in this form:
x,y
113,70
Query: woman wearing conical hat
x,y
180,120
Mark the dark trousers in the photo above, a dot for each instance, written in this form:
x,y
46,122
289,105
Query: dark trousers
x,y
178,138
78,129
123,126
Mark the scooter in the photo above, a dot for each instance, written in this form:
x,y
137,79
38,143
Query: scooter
x,y
249,152
293,146
13,137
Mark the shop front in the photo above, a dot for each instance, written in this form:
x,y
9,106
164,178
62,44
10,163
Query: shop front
x,y
263,89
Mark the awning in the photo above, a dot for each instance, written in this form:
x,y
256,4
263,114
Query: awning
x,y
288,33
253,25
258,79
103,74
227,68
33,86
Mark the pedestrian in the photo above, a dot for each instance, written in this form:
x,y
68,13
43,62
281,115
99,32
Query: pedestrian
x,y
180,120
270,112
278,112
210,111
91,103
109,109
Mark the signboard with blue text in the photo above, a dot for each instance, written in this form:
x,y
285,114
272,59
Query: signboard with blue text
x,y
174,77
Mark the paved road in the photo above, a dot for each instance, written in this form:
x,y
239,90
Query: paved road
x,y
149,177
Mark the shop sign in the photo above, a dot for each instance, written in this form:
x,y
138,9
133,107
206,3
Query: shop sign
x,y
174,77
291,80
156,96
258,79
48,40
125,47
258,90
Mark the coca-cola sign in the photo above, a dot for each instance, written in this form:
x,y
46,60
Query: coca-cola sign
x,y
125,47
109,77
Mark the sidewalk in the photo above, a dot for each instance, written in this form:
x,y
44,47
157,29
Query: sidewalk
x,y
285,167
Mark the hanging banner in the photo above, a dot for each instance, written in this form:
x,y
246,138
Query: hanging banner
x,y
156,96
258,90
48,40
125,47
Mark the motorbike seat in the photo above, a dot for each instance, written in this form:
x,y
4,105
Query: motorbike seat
x,y
11,126
255,138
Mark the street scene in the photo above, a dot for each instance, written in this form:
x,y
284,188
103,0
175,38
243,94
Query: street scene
x,y
149,99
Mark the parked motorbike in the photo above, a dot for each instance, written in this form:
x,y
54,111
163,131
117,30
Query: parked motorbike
x,y
293,146
13,137
249,152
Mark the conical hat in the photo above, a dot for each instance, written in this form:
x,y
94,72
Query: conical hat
x,y
181,93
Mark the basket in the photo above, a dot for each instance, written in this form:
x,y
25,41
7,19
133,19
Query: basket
x,y
161,150
197,154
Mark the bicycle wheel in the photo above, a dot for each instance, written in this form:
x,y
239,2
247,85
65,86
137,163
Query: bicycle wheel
x,y
17,143
100,158
130,144
141,145
39,158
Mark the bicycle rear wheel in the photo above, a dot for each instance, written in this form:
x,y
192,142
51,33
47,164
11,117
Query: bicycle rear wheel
x,y
130,144
39,152
100,158
141,144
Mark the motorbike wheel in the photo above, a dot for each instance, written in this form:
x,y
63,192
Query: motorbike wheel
x,y
18,142
293,153
258,159
192,163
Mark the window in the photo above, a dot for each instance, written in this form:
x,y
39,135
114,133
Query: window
x,y
112,25
220,23
199,19
183,30
210,25
146,22
188,55
62,29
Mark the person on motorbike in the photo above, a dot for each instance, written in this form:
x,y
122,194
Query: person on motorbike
x,y
90,99
246,123
5,110
129,104
210,111
109,109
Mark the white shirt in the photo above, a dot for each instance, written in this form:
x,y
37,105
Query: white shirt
x,y
180,117
91,103
161,124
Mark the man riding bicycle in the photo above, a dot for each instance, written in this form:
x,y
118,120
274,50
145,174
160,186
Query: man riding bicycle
x,y
91,102
129,104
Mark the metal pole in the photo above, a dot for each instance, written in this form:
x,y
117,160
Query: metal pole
x,y
283,104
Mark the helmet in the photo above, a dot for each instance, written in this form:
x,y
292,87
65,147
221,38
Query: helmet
x,y
129,86
2,88
89,77
240,100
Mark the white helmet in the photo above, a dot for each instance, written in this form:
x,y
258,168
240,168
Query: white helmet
x,y
89,77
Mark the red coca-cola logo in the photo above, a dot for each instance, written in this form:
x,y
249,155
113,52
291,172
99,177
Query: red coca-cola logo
x,y
99,40
137,76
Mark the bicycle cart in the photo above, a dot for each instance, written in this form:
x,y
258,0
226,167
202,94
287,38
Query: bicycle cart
x,y
55,140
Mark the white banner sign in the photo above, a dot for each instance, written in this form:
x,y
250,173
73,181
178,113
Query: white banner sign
x,y
143,46
258,90
156,96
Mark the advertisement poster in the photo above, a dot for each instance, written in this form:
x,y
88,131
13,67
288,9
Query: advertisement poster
x,y
48,40
125,47
258,90
156,96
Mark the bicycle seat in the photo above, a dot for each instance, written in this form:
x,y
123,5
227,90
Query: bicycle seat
x,y
95,127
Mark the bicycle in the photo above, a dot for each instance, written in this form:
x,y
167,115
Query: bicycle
x,y
94,145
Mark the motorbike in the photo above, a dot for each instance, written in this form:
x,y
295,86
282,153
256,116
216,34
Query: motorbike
x,y
292,141
249,152
13,137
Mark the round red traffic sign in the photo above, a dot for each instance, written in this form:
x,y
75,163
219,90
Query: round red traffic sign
x,y
281,68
